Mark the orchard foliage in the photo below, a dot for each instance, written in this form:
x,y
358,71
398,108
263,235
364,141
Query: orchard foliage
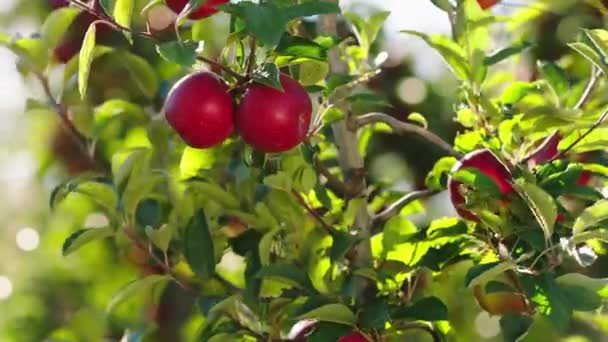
x,y
243,186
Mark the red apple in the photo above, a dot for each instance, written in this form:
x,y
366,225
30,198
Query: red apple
x,y
205,10
272,121
501,303
546,151
54,4
201,110
488,163
485,4
353,337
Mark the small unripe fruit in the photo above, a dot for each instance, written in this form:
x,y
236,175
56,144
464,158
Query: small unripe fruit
x,y
273,121
201,110
489,164
501,303
205,10
353,337
485,4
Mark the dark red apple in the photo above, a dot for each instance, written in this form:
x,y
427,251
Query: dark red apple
x,y
489,164
353,337
54,4
201,110
205,10
272,121
546,151
70,44
485,4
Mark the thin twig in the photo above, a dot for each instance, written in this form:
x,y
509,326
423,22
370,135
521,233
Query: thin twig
x,y
598,123
399,204
595,74
240,78
66,123
253,44
312,212
340,188
401,127
165,267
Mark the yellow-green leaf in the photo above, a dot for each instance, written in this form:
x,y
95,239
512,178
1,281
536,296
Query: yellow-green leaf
x,y
85,60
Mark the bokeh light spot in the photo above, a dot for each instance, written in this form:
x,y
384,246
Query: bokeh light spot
x,y
487,326
28,239
6,287
412,90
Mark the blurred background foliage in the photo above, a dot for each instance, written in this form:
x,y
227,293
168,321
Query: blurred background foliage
x,y
44,296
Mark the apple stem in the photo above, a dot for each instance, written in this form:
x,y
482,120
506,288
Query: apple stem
x,y
253,44
401,127
351,161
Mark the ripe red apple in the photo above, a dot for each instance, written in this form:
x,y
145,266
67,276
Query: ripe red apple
x,y
54,4
70,44
488,163
274,121
501,303
201,110
485,4
205,10
548,150
353,337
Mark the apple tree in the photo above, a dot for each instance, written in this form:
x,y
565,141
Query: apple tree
x,y
231,168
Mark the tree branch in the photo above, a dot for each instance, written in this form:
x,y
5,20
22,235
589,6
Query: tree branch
x,y
312,212
401,127
595,75
399,204
597,124
350,160
343,189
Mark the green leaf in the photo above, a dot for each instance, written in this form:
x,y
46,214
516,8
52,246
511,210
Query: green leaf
x,y
265,246
5,39
193,160
426,309
451,52
334,313
541,204
556,77
589,53
438,177
146,284
287,273
198,249
444,5
265,21
397,230
311,8
581,280
299,47
123,12
506,53
312,72
419,119
268,74
162,236
478,180
581,299
483,273
516,91
590,217
33,53
83,237
179,52
85,60
56,24
71,67
215,192
142,73
513,326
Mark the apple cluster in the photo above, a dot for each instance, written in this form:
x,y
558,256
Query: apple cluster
x,y
203,112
